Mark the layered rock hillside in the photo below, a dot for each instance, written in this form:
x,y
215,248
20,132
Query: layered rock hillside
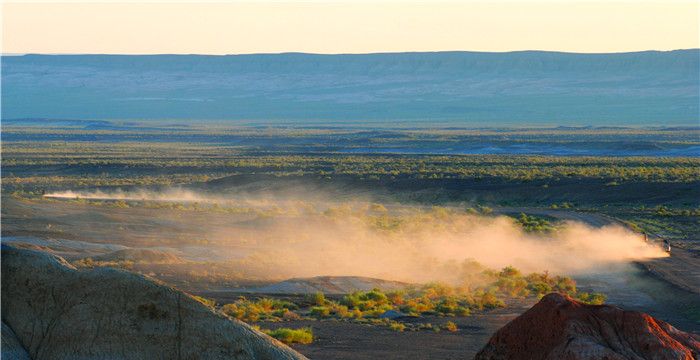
x,y
559,327
59,312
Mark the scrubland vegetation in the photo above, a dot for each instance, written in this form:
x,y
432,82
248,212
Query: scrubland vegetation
x,y
655,193
677,223
165,156
143,165
292,336
489,290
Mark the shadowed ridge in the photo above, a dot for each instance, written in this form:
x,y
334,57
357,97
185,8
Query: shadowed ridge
x,y
511,88
59,312
559,327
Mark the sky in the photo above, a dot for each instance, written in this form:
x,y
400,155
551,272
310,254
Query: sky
x,y
330,27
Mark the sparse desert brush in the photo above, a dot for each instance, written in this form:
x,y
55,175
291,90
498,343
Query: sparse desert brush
x,y
397,326
208,302
565,284
535,224
366,301
428,326
320,311
396,298
591,298
484,210
339,310
514,287
288,315
509,272
447,306
375,295
489,300
357,314
452,307
292,336
450,326
262,309
317,298
437,290
539,288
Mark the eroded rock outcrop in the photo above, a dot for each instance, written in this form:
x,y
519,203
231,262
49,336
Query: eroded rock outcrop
x,y
59,312
559,327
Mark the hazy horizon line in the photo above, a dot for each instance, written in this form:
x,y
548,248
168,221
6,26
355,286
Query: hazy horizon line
x,y
354,53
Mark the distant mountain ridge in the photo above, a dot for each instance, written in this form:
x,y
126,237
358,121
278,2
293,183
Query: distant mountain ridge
x,y
526,87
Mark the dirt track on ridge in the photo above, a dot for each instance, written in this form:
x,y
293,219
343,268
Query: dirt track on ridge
x,y
681,269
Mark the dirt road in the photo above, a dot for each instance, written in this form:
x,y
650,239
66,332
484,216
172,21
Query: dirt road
x,y
681,269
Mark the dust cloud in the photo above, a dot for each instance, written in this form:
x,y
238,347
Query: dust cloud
x,y
279,238
173,195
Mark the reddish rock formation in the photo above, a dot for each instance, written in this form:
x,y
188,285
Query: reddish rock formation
x,y
559,327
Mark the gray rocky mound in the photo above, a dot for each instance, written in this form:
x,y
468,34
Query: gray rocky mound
x,y
59,312
11,348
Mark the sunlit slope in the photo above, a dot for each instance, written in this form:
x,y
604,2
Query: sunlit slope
x,y
476,88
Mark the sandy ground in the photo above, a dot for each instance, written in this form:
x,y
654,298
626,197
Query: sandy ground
x,y
335,339
343,340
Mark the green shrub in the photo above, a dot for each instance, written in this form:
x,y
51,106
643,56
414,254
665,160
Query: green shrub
x,y
320,311
490,301
539,288
397,326
565,285
450,326
318,299
262,309
591,298
292,336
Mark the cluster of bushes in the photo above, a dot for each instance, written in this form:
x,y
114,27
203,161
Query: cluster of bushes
x,y
531,223
591,298
188,163
665,211
401,327
564,205
511,282
441,299
265,309
375,306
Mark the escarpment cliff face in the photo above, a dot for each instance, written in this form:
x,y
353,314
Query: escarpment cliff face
x,y
484,89
559,327
59,312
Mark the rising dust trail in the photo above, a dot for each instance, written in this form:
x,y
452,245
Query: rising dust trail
x,y
304,238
